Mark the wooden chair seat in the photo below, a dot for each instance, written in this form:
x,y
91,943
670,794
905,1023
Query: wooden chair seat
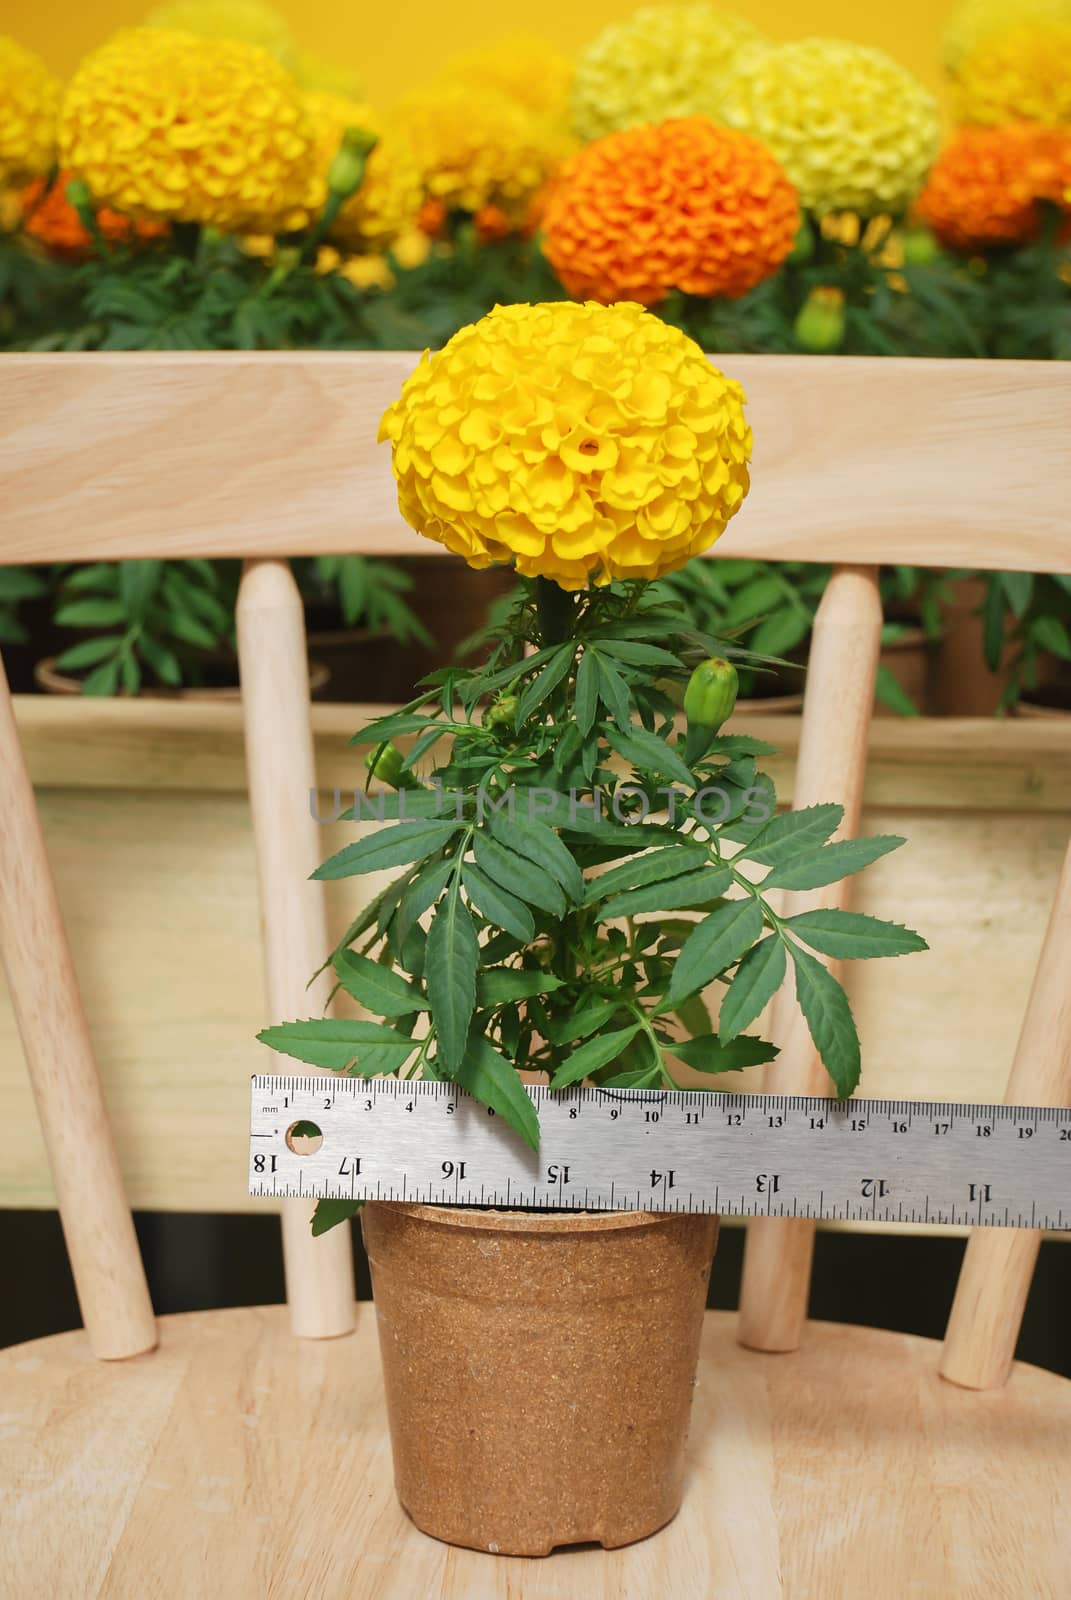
x,y
239,1461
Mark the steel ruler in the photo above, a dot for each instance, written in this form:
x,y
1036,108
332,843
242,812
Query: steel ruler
x,y
677,1150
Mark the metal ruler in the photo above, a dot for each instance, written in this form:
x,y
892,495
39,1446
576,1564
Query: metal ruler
x,y
677,1150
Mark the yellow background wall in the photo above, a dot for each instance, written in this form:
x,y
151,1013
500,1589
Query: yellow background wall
x,y
394,46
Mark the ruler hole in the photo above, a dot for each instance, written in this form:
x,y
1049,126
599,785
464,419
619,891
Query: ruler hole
x,y
304,1138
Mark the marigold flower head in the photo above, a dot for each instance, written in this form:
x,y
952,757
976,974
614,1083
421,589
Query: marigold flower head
x,y
579,442
522,68
167,124
1025,73
851,127
390,191
671,205
973,22
49,217
984,187
478,149
29,103
250,21
663,61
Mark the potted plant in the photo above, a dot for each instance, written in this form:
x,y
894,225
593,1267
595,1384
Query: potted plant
x,y
579,878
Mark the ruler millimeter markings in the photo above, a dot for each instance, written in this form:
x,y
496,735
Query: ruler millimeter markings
x,y
899,1161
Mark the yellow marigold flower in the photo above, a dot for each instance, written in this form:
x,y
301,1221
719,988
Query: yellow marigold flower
x,y
390,193
522,68
985,185
367,272
478,149
851,127
663,61
29,103
579,442
165,124
673,205
411,248
974,22
250,21
1025,73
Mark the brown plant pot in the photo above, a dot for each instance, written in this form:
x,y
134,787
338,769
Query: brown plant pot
x,y
964,685
538,1368
911,660
52,681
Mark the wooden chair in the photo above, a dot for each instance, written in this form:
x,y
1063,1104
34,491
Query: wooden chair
x,y
213,1453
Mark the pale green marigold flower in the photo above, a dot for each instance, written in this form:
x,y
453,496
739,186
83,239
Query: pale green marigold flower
x,y
851,127
974,22
663,61
29,102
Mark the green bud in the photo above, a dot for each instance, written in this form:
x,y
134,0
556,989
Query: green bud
x,y
78,194
385,763
803,249
920,247
503,712
708,703
346,172
820,324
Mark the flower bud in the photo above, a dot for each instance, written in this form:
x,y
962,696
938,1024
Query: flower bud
x,y
820,324
346,172
803,249
920,247
385,763
502,712
708,703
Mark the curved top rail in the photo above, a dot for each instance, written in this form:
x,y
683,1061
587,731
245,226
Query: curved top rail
x,y
866,460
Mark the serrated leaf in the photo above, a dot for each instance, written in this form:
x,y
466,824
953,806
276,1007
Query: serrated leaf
x,y
692,889
421,895
583,1021
829,1019
89,652
451,958
542,847
638,654
91,614
791,834
501,986
544,685
585,696
654,867
832,862
518,875
339,1044
613,692
388,847
394,726
376,987
714,944
709,1053
648,753
598,1052
849,935
754,983
492,1080
497,905
329,1213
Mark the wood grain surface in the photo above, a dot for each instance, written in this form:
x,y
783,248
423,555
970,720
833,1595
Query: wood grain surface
x,y
867,460
238,1461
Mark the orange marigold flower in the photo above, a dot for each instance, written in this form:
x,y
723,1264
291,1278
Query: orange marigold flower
x,y
431,218
49,217
492,223
670,205
984,187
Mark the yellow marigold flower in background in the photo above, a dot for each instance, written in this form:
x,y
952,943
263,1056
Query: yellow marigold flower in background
x,y
250,21
985,185
29,103
974,22
672,205
521,67
478,149
578,442
851,127
663,61
167,124
411,248
1025,73
389,196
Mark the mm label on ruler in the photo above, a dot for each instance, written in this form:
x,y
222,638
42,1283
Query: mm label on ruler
x,y
672,1150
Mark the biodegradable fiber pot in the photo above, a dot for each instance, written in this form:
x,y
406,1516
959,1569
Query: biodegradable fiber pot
x,y
539,1369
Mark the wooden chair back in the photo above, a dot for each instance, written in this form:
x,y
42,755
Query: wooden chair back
x,y
858,462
